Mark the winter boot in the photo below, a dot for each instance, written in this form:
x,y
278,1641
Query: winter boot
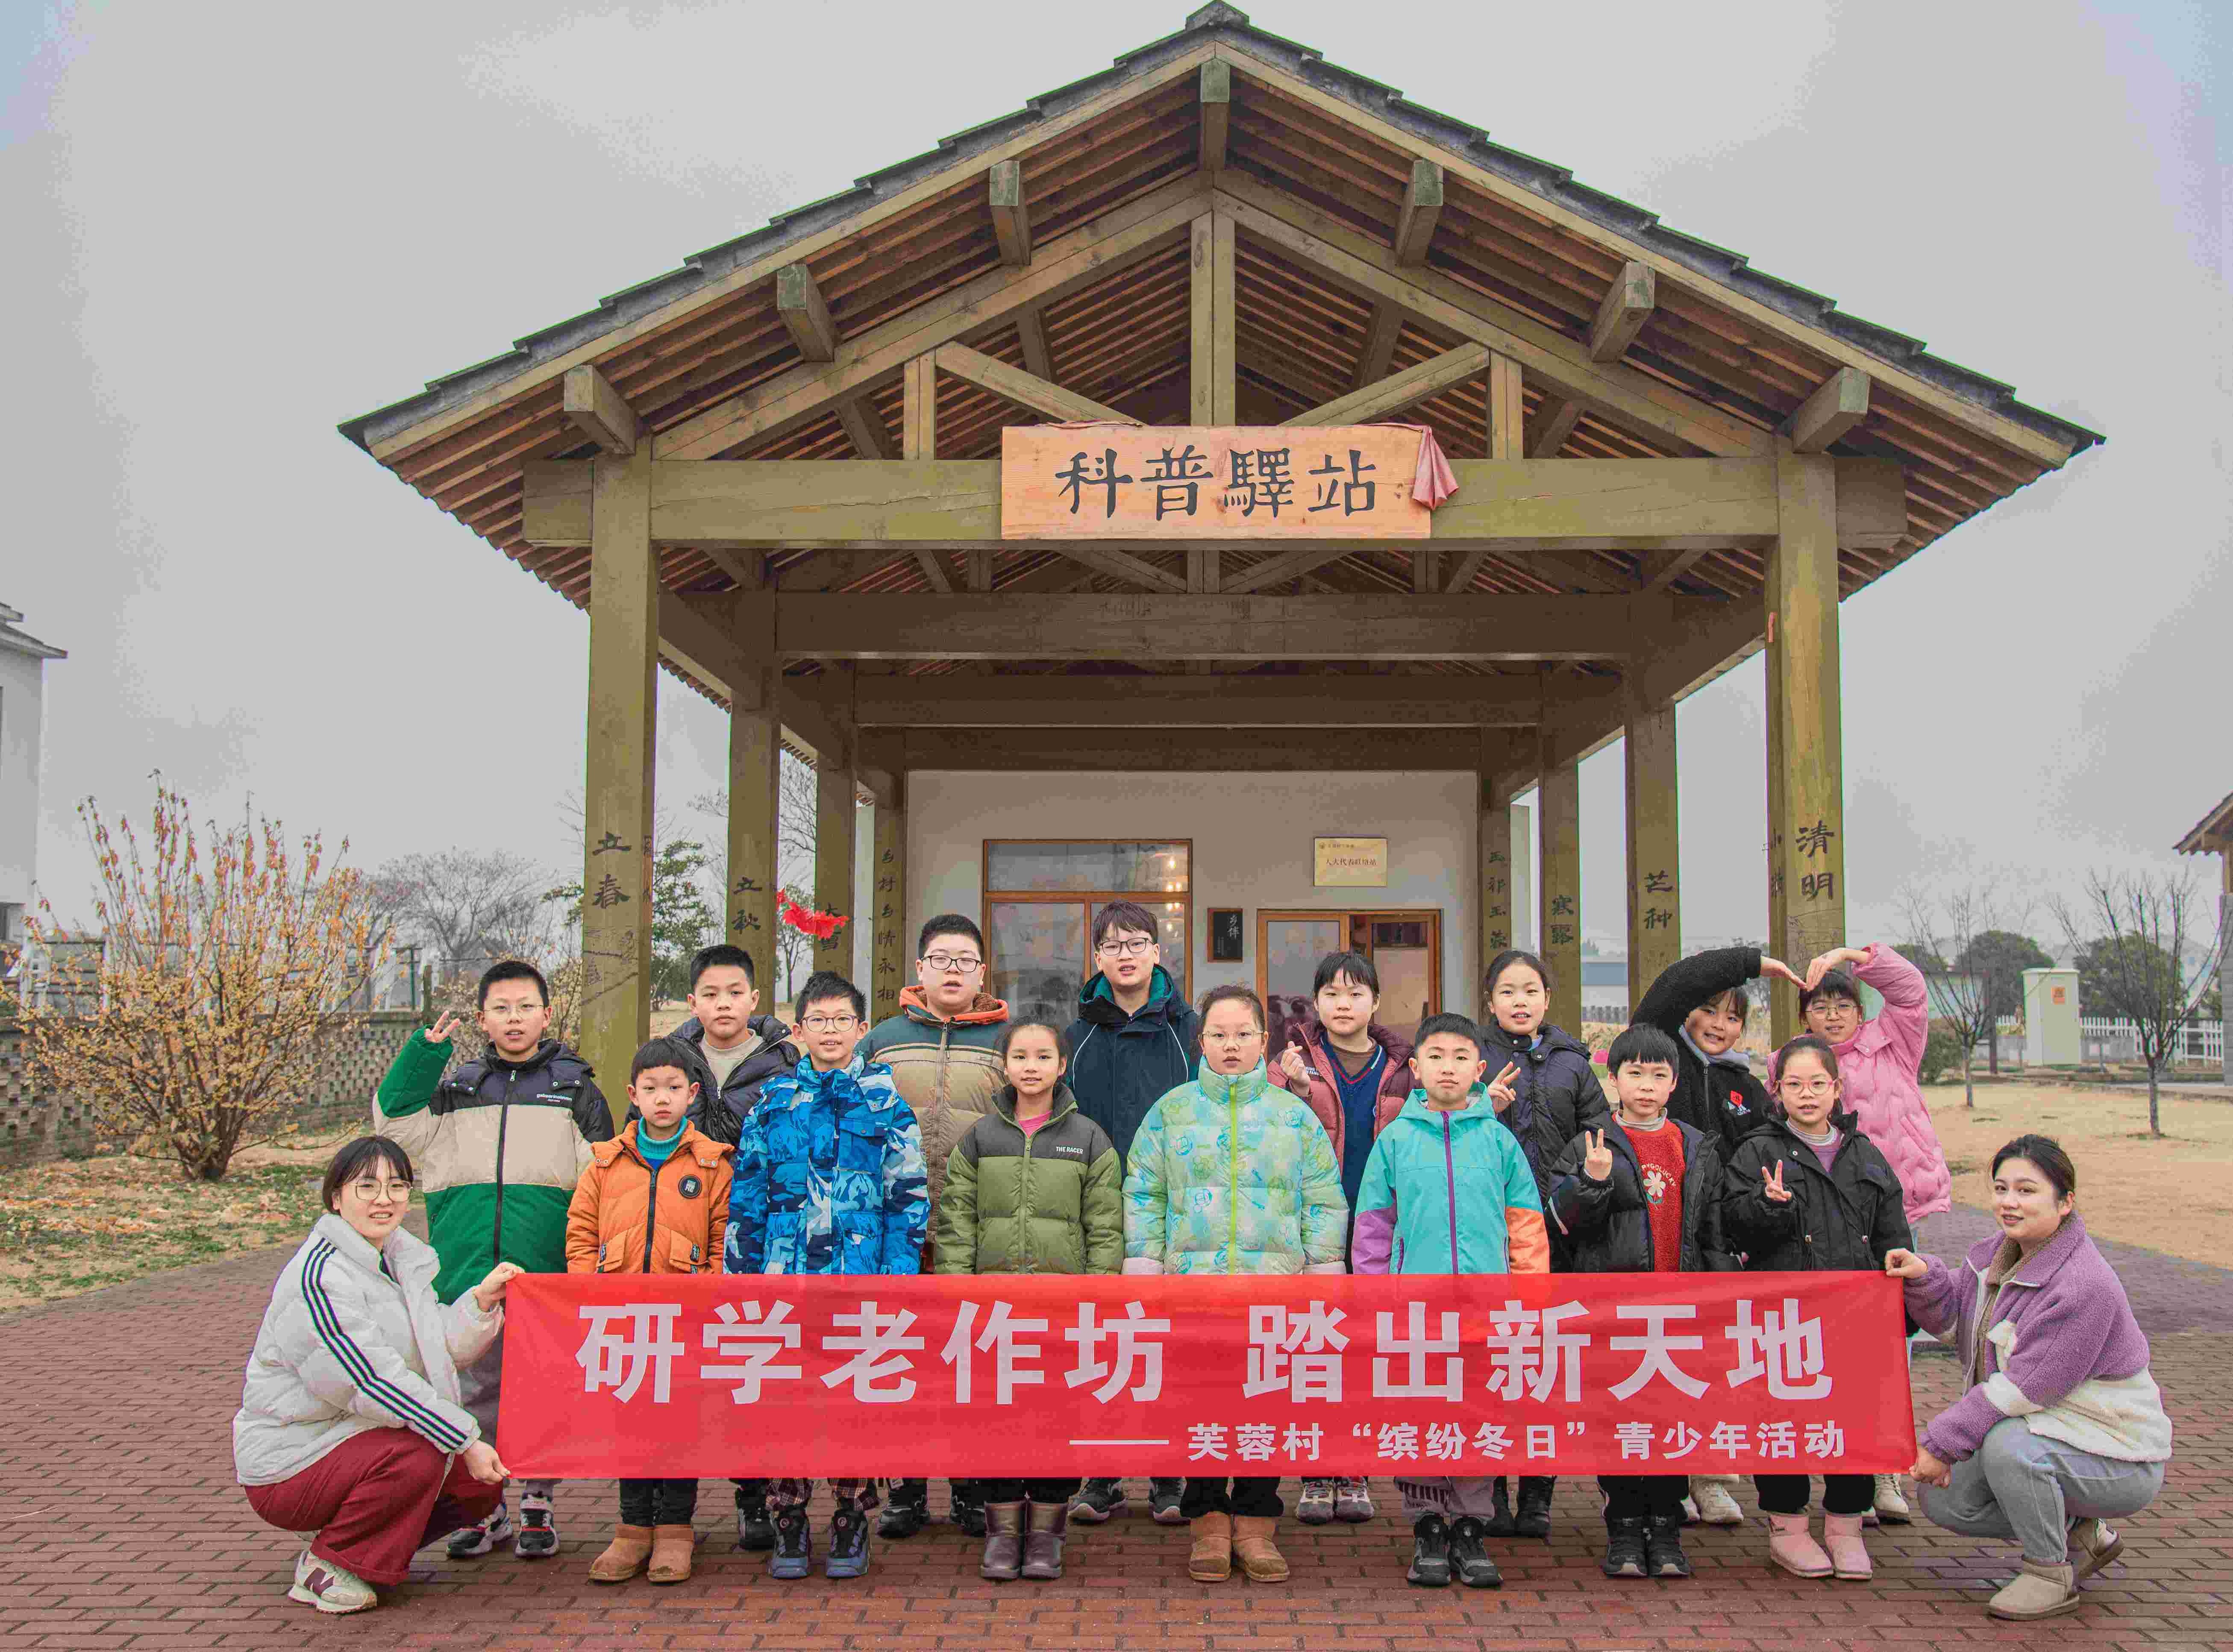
x,y
476,1540
793,1555
848,1541
1891,1507
1260,1557
1663,1547
624,1556
539,1527
909,1510
1210,1560
1499,1523
1792,1548
1533,1517
2094,1545
755,1532
1315,1506
1004,1542
1848,1553
329,1588
1044,1525
670,1553
1430,1552
2036,1591
1623,1555
1469,1560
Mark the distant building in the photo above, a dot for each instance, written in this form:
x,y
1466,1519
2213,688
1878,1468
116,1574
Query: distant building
x,y
23,682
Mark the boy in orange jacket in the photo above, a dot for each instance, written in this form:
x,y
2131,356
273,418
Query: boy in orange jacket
x,y
654,1200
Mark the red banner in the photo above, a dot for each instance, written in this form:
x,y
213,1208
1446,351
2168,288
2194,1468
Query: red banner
x,y
1040,1375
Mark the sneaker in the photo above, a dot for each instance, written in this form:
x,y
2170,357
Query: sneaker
x,y
328,1587
1469,1560
849,1541
1533,1519
476,1540
539,1527
1096,1500
968,1506
1710,1504
755,1532
1430,1552
1164,1502
1624,1554
1891,1507
1315,1506
794,1544
1499,1523
1663,1547
1352,1500
909,1510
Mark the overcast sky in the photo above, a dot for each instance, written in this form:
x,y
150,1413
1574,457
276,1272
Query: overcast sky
x,y
231,226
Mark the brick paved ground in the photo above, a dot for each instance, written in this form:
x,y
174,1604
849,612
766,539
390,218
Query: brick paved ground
x,y
123,1528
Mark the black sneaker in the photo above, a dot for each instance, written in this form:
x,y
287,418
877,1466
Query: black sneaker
x,y
1096,1500
909,1510
968,1508
1500,1517
755,1532
1623,1555
539,1527
1470,1561
849,1541
1164,1502
1663,1547
1430,1552
794,1544
1533,1519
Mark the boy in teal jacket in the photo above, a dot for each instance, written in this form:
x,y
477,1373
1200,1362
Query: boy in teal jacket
x,y
1447,1189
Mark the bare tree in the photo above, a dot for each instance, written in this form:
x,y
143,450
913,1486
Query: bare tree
x,y
1948,925
2139,937
797,802
469,907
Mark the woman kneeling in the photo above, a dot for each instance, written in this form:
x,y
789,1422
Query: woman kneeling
x,y
349,1424
2062,1428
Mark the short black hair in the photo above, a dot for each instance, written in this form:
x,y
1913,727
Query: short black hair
x,y
948,923
1356,965
1641,1041
1834,983
721,955
826,984
668,1052
510,969
1236,994
358,1157
1808,1043
1124,915
1061,1038
1449,1022
1736,997
1505,960
2046,1152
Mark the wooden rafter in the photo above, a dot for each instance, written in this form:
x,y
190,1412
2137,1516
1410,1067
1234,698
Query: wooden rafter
x,y
1406,389
1379,351
1243,700
1017,386
1213,364
1011,214
799,301
1841,403
1216,99
1554,423
1628,305
1423,209
863,429
600,412
919,429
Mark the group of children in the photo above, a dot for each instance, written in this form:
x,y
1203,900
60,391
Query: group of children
x,y
1147,1139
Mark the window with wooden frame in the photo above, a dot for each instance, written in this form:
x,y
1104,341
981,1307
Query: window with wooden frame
x,y
1040,896
1405,947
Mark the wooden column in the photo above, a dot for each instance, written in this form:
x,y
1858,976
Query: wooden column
x,y
834,823
1654,909
1493,855
1212,357
1558,830
755,793
1507,410
1806,773
888,967
616,798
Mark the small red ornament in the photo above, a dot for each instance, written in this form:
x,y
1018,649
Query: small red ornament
x,y
805,920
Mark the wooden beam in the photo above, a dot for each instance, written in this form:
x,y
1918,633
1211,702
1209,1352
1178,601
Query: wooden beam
x,y
888,889
1840,403
1030,332
1493,855
1379,352
854,625
919,404
1282,566
977,569
1105,559
799,301
1205,569
1406,389
599,411
1508,409
1422,208
1242,700
1628,304
1012,216
1212,365
1216,95
1554,421
1018,385
863,429
933,563
1663,567
1559,894
753,876
1654,857
1194,751
1426,567
837,814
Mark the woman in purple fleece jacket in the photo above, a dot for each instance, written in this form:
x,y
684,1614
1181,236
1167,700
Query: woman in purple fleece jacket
x,y
2062,1427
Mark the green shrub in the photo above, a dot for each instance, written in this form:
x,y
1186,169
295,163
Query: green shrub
x,y
1942,1054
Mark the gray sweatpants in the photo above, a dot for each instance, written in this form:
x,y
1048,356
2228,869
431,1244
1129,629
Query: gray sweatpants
x,y
2027,1486
478,1387
1453,1498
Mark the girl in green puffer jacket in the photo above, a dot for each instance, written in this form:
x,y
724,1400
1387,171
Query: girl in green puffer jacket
x,y
1033,1187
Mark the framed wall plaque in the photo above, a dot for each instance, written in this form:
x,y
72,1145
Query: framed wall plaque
x,y
1225,935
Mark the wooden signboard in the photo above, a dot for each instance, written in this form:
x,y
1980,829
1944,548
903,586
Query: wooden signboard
x,y
1252,481
1349,862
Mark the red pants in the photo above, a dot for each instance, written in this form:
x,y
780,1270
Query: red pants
x,y
375,1500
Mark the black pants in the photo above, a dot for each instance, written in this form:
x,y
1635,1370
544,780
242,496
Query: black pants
x,y
1049,1492
1250,1499
1642,1496
658,1502
1841,1493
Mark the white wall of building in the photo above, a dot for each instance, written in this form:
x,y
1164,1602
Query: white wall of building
x,y
1251,844
21,711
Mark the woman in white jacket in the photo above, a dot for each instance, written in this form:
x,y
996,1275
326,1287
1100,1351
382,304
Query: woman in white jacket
x,y
349,1424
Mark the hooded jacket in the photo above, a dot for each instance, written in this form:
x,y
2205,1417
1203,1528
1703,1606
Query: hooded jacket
x,y
722,1116
1120,1064
1846,1217
1232,1175
947,1072
1606,1226
625,1219
347,1345
1717,1095
1881,1065
1320,1093
1052,1201
829,1177
1448,1192
499,1147
1556,1094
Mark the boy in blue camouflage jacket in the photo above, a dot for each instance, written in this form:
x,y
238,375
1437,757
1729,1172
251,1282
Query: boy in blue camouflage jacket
x,y
829,1180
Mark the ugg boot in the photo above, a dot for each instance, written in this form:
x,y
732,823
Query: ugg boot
x,y
2036,1591
1849,1552
670,1553
2094,1545
624,1556
1044,1525
1260,1559
1792,1547
1004,1542
1210,1560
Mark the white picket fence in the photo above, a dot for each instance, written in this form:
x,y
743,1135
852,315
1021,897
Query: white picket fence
x,y
2105,1039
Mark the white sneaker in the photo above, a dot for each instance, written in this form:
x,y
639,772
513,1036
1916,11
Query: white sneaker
x,y
480,1539
1716,1505
1891,1502
328,1587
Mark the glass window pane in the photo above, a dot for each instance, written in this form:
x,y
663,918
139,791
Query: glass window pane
x,y
1292,947
1038,956
1098,869
1174,950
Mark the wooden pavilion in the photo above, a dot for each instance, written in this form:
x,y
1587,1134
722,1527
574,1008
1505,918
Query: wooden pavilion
x,y
775,472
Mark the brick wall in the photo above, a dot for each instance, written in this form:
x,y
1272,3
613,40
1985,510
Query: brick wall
x,y
37,1124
